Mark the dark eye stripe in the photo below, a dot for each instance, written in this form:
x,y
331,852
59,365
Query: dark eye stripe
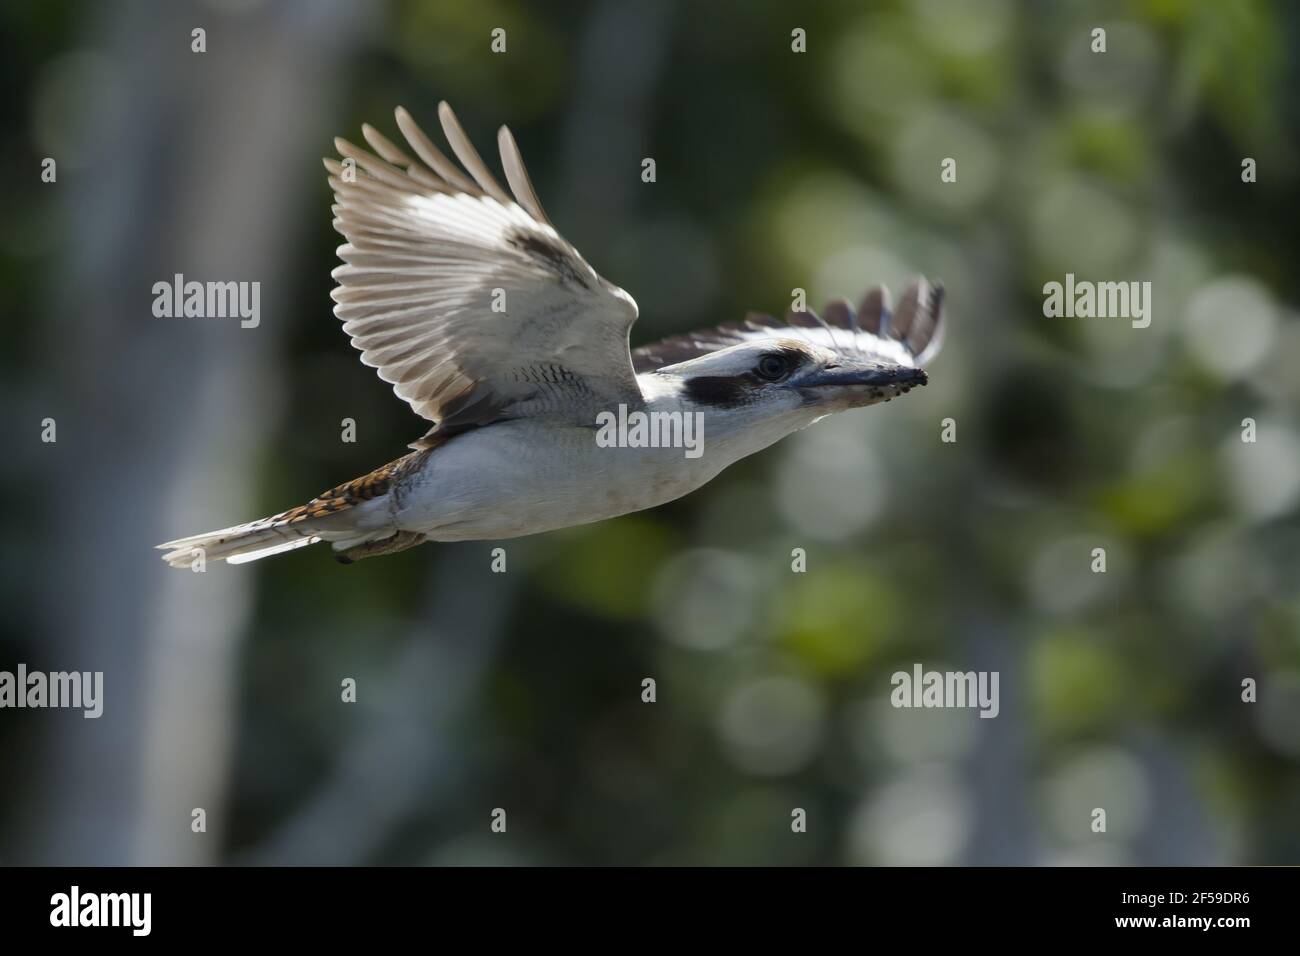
x,y
721,391
731,391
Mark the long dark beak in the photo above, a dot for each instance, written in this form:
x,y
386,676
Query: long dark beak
x,y
898,377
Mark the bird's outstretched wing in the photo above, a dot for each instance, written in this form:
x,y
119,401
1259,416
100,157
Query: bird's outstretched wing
x,y
462,295
909,336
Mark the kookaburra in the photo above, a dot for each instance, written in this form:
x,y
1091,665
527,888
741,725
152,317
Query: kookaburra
x,y
493,328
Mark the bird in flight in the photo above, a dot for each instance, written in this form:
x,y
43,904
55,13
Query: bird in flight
x,y
496,331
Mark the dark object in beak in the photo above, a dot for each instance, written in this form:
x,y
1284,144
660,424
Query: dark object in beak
x,y
873,376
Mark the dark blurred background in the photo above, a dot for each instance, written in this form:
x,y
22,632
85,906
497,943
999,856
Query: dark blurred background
x,y
522,690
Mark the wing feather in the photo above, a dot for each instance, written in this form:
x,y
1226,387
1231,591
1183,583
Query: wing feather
x,y
468,155
432,155
911,339
517,175
462,295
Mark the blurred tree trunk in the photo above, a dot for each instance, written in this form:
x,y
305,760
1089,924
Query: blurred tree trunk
x,y
610,114
407,758
202,164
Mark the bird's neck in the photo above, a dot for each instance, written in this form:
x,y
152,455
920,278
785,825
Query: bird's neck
x,y
731,433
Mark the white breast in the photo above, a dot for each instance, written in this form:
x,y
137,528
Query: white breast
x,y
524,477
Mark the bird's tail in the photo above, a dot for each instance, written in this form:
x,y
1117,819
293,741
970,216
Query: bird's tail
x,y
353,517
243,542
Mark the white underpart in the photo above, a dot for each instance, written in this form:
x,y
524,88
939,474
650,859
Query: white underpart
x,y
525,477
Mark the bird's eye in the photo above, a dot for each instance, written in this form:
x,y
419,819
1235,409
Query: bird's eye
x,y
772,367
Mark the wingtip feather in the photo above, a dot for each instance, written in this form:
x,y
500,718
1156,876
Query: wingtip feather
x,y
464,149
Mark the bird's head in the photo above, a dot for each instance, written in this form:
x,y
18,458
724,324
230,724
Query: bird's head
x,y
789,375
766,378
